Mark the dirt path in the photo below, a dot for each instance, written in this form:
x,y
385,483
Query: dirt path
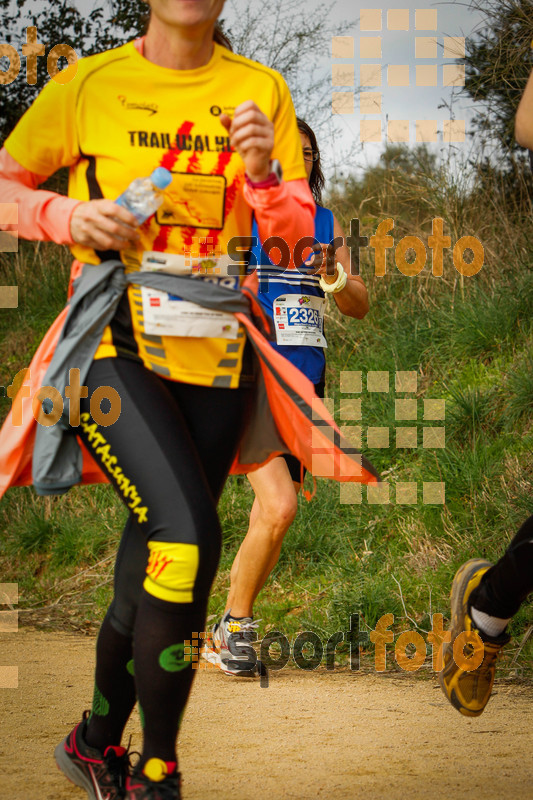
x,y
308,735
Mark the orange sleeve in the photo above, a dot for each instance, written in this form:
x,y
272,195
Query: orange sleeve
x,y
42,215
287,210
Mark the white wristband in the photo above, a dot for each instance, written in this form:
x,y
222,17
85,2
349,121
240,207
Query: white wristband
x,y
338,285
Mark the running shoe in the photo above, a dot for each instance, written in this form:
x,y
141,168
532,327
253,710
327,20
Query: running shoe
x,y
102,776
142,786
229,646
469,692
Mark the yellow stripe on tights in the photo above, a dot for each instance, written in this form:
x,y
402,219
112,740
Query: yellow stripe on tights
x,y
171,571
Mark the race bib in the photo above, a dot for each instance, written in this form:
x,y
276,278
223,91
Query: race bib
x,y
299,320
168,315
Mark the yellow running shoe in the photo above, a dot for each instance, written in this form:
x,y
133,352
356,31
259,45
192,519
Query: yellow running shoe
x,y
469,692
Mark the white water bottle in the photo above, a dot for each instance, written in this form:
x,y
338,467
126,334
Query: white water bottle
x,y
144,195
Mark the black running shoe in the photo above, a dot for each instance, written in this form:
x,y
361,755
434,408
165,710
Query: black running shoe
x,y
140,787
102,776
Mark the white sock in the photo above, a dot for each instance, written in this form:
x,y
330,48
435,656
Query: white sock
x,y
492,626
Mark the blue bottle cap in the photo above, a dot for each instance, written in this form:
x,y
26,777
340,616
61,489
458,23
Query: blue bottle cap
x,y
161,177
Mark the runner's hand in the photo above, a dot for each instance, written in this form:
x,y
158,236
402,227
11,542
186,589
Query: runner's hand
x,y
324,258
252,135
103,225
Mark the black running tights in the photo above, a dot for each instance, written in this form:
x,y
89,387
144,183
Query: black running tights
x,y
168,456
505,586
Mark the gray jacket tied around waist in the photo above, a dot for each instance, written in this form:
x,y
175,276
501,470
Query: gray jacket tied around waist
x,y
57,458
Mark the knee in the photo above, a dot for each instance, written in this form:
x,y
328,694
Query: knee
x,y
121,616
280,514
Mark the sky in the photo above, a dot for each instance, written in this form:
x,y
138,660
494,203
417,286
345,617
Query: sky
x,y
402,107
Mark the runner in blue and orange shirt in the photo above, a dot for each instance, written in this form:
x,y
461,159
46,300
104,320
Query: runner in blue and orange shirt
x,y
295,298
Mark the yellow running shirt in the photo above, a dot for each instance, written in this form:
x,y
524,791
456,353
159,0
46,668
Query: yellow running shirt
x,y
122,116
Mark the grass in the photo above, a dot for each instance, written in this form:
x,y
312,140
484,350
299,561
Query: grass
x,y
469,341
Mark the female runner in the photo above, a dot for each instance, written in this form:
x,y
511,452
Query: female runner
x,y
299,295
178,99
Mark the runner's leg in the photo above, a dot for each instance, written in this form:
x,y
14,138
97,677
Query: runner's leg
x,y
505,586
114,679
273,512
152,458
114,687
276,486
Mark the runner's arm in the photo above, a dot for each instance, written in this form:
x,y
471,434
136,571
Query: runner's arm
x,y
42,215
51,217
286,210
353,299
523,126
